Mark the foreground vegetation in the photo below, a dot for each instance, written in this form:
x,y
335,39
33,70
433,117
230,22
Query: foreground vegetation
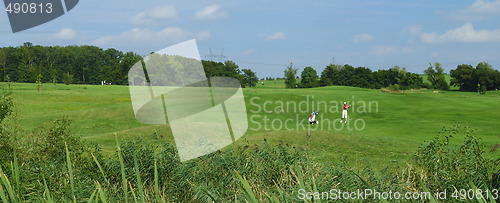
x,y
55,165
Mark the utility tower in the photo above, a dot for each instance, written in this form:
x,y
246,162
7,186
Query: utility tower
x,y
216,57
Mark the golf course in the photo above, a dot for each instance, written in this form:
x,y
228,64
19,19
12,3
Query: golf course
x,y
384,127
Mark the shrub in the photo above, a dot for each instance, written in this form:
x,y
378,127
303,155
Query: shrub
x,y
447,167
426,85
394,87
6,103
7,130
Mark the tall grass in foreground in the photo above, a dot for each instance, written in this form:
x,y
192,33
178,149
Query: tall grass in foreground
x,y
144,172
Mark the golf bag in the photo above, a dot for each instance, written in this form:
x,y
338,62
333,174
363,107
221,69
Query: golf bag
x,y
312,118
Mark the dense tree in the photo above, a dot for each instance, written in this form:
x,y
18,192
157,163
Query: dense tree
x,y
232,70
290,73
3,61
88,64
309,78
410,80
486,76
330,75
362,77
250,79
481,78
435,75
246,77
382,78
463,77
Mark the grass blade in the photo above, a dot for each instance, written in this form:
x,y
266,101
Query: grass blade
x,y
122,168
70,171
269,197
102,193
300,179
16,173
369,186
425,189
480,200
14,167
157,189
91,199
8,186
133,193
490,197
47,192
282,195
315,189
100,168
139,182
248,190
2,195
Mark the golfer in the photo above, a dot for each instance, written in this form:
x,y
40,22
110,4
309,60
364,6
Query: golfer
x,y
344,112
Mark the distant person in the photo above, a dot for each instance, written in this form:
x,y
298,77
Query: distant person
x,y
262,82
344,112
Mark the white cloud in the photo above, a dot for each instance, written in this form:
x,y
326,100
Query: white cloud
x,y
466,33
362,38
413,29
210,13
384,50
277,36
65,34
390,50
154,15
145,36
479,10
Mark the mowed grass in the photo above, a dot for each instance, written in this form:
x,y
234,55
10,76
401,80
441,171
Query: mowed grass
x,y
393,127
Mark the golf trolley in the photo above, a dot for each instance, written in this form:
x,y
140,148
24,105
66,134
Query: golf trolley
x,y
312,118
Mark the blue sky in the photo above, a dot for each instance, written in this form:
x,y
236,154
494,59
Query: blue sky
x,y
266,35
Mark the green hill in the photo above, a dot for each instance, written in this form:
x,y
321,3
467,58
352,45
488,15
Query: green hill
x,y
391,129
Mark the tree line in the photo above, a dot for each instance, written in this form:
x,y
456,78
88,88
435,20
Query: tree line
x,y
89,65
69,64
481,79
347,75
466,77
247,77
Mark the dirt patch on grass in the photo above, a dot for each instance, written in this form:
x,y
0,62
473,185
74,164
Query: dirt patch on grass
x,y
401,91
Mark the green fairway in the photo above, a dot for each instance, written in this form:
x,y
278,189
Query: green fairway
x,y
391,129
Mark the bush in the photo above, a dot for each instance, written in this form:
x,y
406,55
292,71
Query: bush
x,y
447,167
7,130
6,103
394,87
426,85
